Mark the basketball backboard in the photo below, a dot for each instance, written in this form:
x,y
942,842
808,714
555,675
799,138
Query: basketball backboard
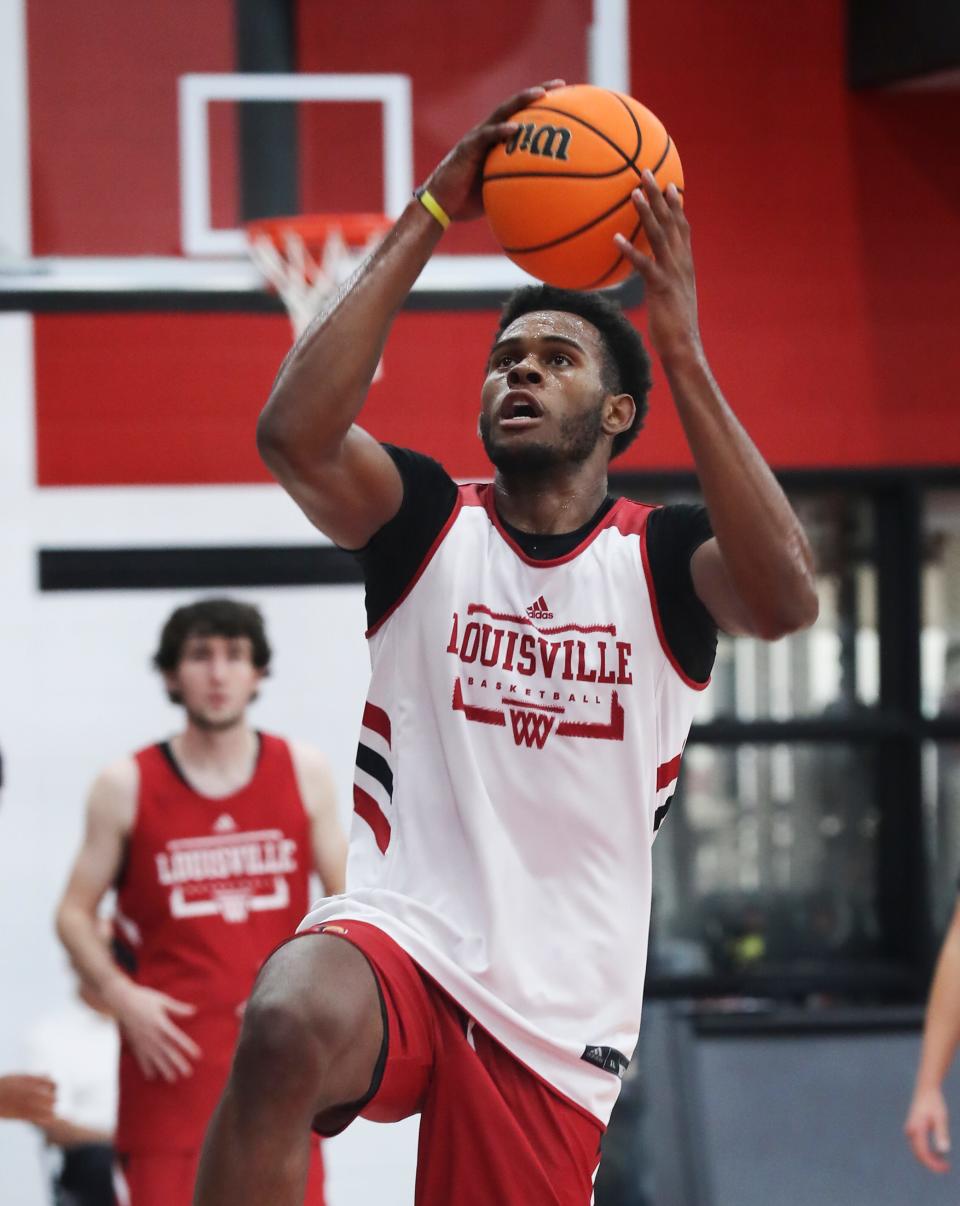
x,y
145,211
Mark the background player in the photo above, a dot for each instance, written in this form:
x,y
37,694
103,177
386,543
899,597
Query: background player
x,y
517,880
210,839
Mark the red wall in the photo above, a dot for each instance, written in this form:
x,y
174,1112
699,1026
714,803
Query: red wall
x,y
483,61
103,121
826,228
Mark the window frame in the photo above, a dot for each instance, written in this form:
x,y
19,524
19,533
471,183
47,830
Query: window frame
x,y
896,729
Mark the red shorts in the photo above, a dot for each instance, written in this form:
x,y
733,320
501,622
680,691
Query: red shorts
x,y
491,1131
167,1178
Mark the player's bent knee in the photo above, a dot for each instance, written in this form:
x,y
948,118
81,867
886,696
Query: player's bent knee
x,y
277,1041
313,1020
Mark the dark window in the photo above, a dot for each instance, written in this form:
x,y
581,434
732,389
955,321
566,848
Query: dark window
x,y
814,842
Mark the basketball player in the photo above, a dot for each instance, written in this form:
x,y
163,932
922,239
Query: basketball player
x,y
537,649
928,1124
209,839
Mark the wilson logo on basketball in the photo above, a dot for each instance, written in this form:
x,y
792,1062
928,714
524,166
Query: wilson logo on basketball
x,y
538,610
549,141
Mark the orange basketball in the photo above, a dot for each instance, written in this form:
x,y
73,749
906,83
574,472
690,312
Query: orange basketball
x,y
559,189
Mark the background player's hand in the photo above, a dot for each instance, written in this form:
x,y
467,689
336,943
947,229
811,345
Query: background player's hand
x,y
668,274
927,1128
28,1099
456,181
161,1048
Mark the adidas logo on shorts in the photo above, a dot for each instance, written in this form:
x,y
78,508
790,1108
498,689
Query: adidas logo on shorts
x,y
538,610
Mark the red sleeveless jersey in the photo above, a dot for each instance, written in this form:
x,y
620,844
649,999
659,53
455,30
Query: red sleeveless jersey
x,y
210,886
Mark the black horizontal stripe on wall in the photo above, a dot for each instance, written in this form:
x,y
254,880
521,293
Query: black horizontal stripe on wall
x,y
55,297
195,568
376,767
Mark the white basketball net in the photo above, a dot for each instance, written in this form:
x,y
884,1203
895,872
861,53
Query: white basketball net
x,y
302,281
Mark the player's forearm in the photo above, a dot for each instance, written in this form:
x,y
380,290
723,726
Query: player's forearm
x,y
941,1030
322,384
77,930
764,547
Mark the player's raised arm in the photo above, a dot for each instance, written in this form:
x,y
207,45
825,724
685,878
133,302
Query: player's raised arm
x,y
756,576
340,476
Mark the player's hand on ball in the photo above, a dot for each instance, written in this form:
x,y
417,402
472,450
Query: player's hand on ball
x,y
668,274
456,181
927,1129
160,1047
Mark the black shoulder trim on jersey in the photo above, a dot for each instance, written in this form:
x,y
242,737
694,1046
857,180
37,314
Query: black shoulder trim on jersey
x,y
673,535
395,554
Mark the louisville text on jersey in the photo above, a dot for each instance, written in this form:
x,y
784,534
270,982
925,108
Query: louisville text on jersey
x,y
581,659
537,675
230,876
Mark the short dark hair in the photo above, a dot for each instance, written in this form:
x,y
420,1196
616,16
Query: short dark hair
x,y
212,617
626,365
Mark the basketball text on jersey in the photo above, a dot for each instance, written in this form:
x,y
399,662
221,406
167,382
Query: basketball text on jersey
x,y
499,643
231,875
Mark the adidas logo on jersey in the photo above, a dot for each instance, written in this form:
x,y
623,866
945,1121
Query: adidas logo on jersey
x,y
607,1058
538,610
224,824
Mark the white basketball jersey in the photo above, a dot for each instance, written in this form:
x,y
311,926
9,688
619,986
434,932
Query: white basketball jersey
x,y
520,743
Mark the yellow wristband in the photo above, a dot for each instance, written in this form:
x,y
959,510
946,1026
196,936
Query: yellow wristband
x,y
433,207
